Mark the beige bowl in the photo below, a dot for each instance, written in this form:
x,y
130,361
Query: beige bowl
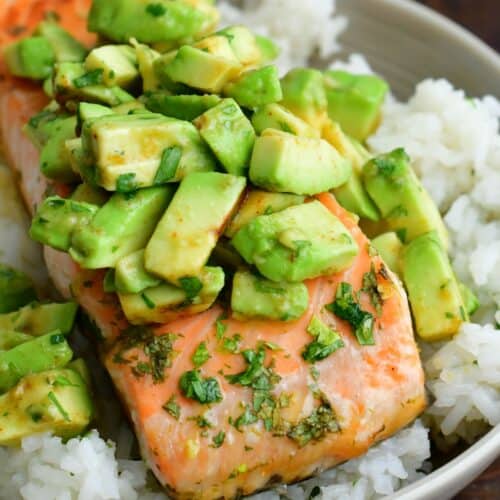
x,y
407,43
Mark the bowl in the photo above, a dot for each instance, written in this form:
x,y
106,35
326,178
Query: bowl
x,y
406,43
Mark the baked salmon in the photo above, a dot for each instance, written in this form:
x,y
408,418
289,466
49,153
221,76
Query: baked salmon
x,y
278,418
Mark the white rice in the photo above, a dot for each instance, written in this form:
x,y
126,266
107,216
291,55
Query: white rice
x,y
448,138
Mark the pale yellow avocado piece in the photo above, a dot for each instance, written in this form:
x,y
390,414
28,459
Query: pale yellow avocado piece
x,y
216,45
435,298
146,57
389,247
244,45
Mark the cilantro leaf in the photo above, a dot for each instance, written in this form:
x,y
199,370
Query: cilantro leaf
x,y
192,286
203,390
218,439
168,165
326,342
200,355
172,408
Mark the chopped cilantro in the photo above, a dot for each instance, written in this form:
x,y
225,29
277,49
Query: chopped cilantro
x,y
370,286
220,329
302,247
172,408
126,183
93,77
218,439
168,166
192,286
57,338
402,234
231,344
62,381
201,355
109,281
203,390
149,303
286,128
248,417
156,9
326,342
265,286
59,407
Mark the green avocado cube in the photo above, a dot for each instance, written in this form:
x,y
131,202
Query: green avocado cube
x,y
43,353
405,205
166,302
80,161
286,163
389,247
89,111
304,95
16,289
146,58
261,203
243,44
131,275
152,21
39,319
8,340
56,218
433,290
30,58
269,51
298,243
118,64
142,150
182,107
121,226
65,47
229,134
277,117
54,401
355,101
189,230
256,297
255,88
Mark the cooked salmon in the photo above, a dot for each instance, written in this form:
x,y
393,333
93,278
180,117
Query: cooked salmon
x,y
303,419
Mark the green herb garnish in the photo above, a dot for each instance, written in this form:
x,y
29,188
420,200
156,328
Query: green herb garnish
x,y
170,160
172,408
218,439
149,303
326,342
109,281
93,77
370,286
59,407
126,184
156,9
203,390
201,355
192,287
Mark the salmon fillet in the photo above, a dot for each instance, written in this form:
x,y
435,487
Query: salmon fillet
x,y
356,397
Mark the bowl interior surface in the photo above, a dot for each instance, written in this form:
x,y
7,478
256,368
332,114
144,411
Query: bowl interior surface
x,y
407,43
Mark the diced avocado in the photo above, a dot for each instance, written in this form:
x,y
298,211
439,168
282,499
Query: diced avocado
x,y
55,401
90,194
80,367
255,88
182,107
269,51
229,134
165,83
8,340
122,226
202,70
277,117
402,200
256,297
16,289
144,149
469,298
89,110
54,163
286,163
433,291
304,95
39,127
355,101
352,195
130,108
146,57
48,87
216,45
244,44
30,58
37,355
154,21
72,81
131,275
80,162
40,319
56,219
389,247
261,203
190,228
300,242
65,47
117,62
166,302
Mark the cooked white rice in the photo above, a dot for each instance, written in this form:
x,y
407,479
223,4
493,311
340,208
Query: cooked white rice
x,y
448,137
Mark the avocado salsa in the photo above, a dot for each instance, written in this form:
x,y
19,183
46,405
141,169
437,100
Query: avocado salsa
x,y
194,169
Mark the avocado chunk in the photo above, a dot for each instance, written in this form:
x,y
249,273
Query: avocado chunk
x,y
255,88
146,58
167,302
244,44
40,126
65,47
8,340
304,95
229,134
286,163
121,226
201,70
469,298
55,401
142,150
131,275
118,64
149,22
435,298
30,58
16,289
355,101
261,203
56,218
277,117
80,162
89,194
89,110
190,228
43,353
298,243
402,200
269,51
352,195
389,246
72,81
182,107
256,297
79,366
39,319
